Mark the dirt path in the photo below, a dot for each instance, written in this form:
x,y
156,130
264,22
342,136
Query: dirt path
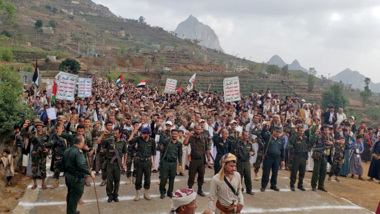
x,y
10,195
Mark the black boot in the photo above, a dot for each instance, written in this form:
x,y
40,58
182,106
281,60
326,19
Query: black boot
x,y
110,199
200,192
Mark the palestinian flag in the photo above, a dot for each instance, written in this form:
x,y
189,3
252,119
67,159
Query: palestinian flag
x,y
119,80
36,76
141,84
54,92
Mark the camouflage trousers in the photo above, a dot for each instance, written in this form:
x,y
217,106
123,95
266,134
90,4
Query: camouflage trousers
x,y
57,168
258,162
130,160
335,168
38,163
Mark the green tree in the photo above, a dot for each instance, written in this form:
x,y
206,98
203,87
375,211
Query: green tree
x,y
141,19
52,23
334,97
6,33
70,65
6,54
367,93
12,109
147,64
273,69
8,9
310,82
38,24
285,71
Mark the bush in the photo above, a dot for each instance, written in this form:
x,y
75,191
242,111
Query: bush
x,y
38,24
12,109
6,33
47,60
6,54
70,65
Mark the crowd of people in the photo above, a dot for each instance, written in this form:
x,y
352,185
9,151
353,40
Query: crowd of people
x,y
138,131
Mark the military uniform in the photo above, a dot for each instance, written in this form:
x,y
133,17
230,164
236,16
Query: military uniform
x,y
103,154
243,166
222,148
113,149
320,160
38,155
288,152
338,157
131,157
260,149
233,137
199,146
144,152
275,152
58,145
171,158
75,168
298,148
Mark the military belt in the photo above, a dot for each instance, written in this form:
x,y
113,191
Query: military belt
x,y
170,160
143,159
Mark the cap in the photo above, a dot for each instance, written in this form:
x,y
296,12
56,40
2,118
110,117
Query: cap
x,y
233,121
278,128
135,121
352,117
201,120
303,100
40,123
145,130
169,123
113,105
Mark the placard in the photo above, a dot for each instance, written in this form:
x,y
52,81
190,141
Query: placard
x,y
231,88
51,113
170,86
84,87
66,85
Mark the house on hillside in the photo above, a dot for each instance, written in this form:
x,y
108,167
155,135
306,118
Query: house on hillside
x,y
47,30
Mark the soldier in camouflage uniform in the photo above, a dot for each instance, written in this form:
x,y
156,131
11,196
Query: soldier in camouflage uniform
x,y
106,136
260,150
338,161
115,150
58,145
132,153
39,153
320,153
233,136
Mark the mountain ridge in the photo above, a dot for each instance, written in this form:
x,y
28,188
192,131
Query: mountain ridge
x,y
193,29
294,66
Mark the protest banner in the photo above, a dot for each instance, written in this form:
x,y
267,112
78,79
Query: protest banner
x,y
52,113
170,86
66,85
84,87
231,88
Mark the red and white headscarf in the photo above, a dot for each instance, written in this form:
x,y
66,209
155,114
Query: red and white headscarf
x,y
183,197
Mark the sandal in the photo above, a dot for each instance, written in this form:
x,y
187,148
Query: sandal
x,y
34,186
103,183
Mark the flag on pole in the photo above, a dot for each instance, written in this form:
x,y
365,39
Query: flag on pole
x,y
141,84
191,83
54,92
122,91
119,80
36,76
179,89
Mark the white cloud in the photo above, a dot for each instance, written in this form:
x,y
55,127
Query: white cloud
x,y
328,35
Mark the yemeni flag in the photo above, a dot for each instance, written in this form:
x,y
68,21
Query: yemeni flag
x,y
54,92
141,84
179,89
119,80
191,83
36,76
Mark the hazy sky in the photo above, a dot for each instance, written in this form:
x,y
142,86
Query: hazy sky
x,y
330,35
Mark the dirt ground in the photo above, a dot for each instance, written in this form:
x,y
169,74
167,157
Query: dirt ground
x,y
362,193
10,195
